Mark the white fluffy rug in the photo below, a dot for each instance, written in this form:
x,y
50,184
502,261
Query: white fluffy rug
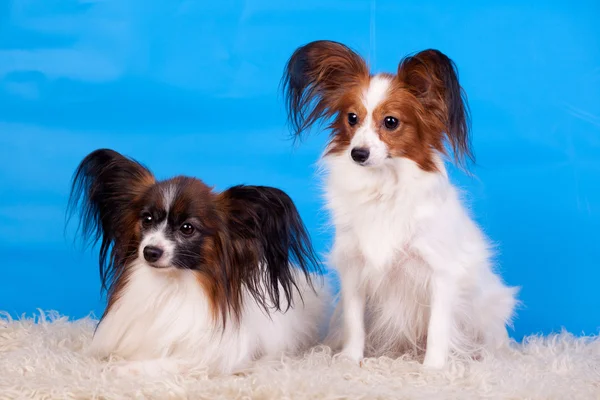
x,y
43,358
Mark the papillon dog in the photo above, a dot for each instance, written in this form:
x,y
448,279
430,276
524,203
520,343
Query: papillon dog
x,y
196,277
415,269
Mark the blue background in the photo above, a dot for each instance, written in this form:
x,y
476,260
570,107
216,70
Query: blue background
x,y
191,87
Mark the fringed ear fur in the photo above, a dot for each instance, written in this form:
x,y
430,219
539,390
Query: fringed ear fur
x,y
220,287
315,78
267,241
433,79
318,74
104,188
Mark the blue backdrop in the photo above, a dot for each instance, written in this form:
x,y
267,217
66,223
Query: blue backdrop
x,y
191,87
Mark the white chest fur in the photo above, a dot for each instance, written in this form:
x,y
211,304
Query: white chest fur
x,y
404,243
377,212
158,314
163,315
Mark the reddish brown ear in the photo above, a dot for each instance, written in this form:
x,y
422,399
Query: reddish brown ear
x,y
433,79
315,79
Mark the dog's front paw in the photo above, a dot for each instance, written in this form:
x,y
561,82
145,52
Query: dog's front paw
x,y
353,354
128,369
434,361
150,368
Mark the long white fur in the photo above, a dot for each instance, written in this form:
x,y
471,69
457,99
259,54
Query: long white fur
x,y
415,269
161,321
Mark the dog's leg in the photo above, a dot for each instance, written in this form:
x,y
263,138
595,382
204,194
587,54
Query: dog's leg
x,y
442,289
353,301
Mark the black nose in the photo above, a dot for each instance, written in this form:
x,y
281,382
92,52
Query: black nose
x,y
152,254
359,154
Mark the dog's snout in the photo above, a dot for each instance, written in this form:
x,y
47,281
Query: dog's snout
x,y
152,253
360,154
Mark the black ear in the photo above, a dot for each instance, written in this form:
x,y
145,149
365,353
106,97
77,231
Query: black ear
x,y
316,77
268,240
104,188
433,78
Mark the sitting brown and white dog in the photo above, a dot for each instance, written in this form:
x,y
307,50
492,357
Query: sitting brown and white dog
x,y
415,269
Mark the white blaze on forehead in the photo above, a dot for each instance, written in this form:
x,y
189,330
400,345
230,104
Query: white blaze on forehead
x,y
376,93
366,135
157,236
168,193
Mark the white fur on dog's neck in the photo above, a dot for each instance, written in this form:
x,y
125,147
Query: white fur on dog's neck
x,y
162,318
403,238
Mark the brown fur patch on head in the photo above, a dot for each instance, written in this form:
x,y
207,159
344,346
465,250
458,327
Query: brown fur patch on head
x,y
414,137
342,131
426,99
317,78
326,79
243,240
185,200
409,139
442,110
192,197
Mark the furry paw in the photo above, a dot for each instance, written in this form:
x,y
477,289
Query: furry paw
x,y
128,369
434,361
354,355
152,368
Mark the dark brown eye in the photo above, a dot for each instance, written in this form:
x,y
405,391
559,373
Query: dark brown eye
x,y
390,123
147,220
187,229
352,119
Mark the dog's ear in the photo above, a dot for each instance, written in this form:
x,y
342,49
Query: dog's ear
x,y
433,79
269,245
221,289
105,188
315,79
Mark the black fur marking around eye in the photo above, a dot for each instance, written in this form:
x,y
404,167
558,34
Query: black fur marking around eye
x,y
188,252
